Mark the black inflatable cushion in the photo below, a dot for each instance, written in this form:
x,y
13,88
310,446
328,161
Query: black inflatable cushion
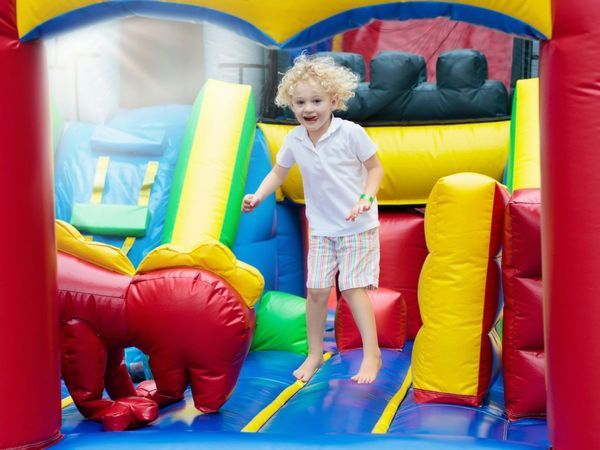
x,y
458,69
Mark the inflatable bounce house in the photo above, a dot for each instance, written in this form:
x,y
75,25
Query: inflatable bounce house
x,y
128,238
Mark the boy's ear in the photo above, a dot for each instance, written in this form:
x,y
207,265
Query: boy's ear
x,y
335,100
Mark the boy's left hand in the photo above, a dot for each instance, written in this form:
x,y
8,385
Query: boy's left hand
x,y
361,206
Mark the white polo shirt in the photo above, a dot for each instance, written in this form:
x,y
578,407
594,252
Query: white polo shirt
x,y
333,176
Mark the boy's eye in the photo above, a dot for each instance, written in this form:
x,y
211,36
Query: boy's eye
x,y
318,100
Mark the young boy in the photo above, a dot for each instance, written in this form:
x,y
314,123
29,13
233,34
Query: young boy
x,y
341,175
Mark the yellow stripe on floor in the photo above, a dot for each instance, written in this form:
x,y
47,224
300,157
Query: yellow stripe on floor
x,y
384,422
66,402
263,416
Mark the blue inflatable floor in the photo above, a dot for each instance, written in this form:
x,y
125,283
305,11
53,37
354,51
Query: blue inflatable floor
x,y
330,411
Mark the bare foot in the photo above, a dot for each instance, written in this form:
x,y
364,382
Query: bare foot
x,y
369,368
308,368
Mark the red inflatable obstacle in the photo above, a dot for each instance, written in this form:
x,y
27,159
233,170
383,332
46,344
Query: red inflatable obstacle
x,y
390,317
523,328
403,252
193,325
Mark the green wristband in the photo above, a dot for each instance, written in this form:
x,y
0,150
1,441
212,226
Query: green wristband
x,y
366,197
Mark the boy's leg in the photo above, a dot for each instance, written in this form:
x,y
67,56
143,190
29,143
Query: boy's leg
x,y
362,311
358,259
316,313
322,267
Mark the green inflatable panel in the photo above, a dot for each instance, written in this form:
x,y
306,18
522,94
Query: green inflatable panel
x,y
110,220
281,323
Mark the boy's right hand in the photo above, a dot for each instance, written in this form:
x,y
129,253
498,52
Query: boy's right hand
x,y
250,202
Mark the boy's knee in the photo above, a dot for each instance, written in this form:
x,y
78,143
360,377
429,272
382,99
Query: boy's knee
x,y
319,295
355,294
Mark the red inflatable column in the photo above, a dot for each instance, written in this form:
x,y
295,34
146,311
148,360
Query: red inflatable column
x,y
523,357
570,121
29,375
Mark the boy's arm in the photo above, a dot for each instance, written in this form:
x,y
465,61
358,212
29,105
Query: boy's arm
x,y
374,177
272,181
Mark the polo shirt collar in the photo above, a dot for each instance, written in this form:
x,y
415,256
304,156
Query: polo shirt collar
x,y
335,124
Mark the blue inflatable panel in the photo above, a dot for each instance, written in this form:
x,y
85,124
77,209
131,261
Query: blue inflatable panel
x,y
264,375
108,140
262,378
332,403
75,167
259,225
487,422
138,364
255,242
64,392
330,411
529,430
154,439
451,420
263,256
290,249
74,164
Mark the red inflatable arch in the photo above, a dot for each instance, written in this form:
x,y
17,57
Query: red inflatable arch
x,y
570,115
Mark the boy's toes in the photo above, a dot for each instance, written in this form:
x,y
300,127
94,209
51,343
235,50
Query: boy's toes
x,y
308,368
368,370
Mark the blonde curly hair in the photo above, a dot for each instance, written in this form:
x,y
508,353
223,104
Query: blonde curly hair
x,y
334,79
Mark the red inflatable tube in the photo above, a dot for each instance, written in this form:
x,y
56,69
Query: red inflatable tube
x,y
523,328
30,375
570,125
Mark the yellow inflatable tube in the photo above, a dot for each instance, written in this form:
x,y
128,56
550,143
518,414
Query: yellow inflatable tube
x,y
416,157
282,20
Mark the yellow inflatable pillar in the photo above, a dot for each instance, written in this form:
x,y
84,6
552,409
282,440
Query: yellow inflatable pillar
x,y
458,289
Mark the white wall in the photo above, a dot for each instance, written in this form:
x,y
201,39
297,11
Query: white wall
x,y
83,71
229,57
85,66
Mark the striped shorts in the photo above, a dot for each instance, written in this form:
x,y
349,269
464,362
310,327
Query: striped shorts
x,y
356,257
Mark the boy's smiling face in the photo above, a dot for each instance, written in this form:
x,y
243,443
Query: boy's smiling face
x,y
313,107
